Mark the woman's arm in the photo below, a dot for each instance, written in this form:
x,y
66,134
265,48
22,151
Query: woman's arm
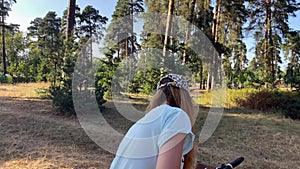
x,y
171,153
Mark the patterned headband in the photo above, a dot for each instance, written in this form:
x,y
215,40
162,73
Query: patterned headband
x,y
178,81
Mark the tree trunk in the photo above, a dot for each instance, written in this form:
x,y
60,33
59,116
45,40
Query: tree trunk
x,y
126,48
213,69
201,76
172,53
70,27
132,25
168,26
55,72
188,31
71,18
118,53
216,20
272,53
266,40
208,80
272,58
3,42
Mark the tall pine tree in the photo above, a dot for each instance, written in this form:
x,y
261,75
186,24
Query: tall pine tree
x,y
269,20
4,8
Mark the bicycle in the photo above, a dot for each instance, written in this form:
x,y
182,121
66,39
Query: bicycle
x,y
231,165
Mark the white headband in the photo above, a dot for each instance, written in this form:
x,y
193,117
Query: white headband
x,y
178,81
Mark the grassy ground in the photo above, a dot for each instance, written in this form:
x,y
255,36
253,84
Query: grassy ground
x,y
33,136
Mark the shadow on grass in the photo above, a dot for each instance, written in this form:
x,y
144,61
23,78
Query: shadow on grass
x,y
31,129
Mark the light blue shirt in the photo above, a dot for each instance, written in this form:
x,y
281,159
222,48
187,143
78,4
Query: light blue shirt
x,y
140,147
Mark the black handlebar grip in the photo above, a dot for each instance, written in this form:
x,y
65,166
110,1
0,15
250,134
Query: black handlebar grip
x,y
234,163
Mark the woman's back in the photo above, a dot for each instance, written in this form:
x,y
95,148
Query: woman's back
x,y
142,143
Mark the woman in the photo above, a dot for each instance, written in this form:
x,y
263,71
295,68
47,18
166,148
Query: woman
x,y
163,138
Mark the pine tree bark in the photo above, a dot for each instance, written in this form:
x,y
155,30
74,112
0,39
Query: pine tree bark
x,y
266,41
216,20
272,57
213,67
126,48
3,42
118,51
168,26
70,18
201,77
131,30
188,31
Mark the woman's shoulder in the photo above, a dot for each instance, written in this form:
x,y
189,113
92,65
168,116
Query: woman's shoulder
x,y
174,112
166,112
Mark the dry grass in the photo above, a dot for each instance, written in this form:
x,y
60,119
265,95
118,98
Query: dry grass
x,y
266,141
34,137
21,90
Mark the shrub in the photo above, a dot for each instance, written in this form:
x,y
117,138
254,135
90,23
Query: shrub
x,y
3,78
62,99
264,100
292,108
256,100
43,92
267,100
145,81
22,79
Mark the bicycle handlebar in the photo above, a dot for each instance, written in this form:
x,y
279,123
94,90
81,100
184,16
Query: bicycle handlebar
x,y
233,164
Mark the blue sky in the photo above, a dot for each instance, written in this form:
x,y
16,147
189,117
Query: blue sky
x,y
24,11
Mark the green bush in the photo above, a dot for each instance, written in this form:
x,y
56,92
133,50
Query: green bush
x,y
3,78
264,100
267,100
257,100
292,108
22,79
43,92
62,99
145,81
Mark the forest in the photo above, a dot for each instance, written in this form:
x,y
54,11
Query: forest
x,y
48,51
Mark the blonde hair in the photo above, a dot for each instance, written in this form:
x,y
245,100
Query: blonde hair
x,y
177,97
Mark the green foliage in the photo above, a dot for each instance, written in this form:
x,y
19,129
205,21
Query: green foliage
x,y
45,48
145,81
3,78
62,99
105,73
292,107
43,92
62,94
91,24
266,19
271,100
265,100
5,6
292,53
